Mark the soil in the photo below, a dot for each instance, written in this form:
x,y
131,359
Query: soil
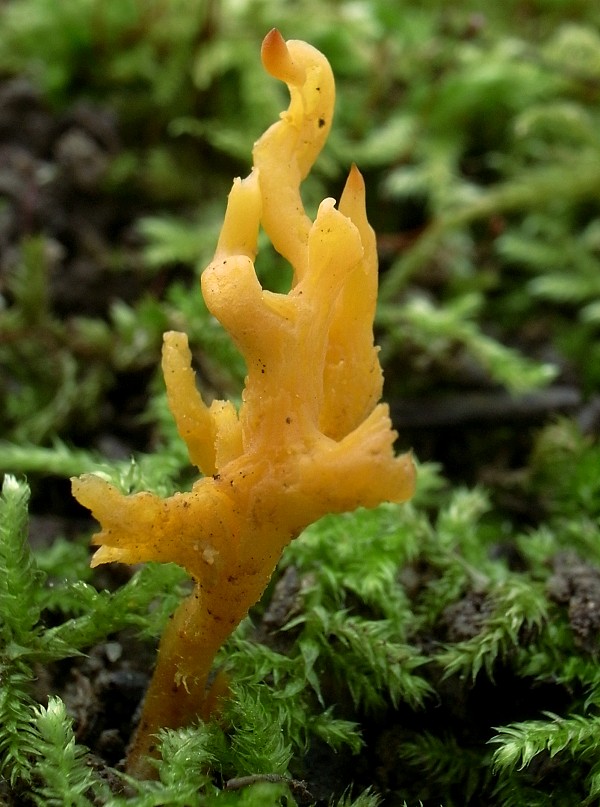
x,y
52,170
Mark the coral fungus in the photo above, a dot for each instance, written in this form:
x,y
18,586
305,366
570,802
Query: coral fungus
x,y
310,437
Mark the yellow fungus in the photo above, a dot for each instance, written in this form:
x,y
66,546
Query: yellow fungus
x,y
310,436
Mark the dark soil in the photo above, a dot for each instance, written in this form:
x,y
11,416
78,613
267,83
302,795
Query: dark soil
x,y
53,169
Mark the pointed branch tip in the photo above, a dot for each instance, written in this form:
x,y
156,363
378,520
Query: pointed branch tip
x,y
277,60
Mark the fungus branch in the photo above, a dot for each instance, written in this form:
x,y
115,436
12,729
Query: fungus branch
x,y
310,437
